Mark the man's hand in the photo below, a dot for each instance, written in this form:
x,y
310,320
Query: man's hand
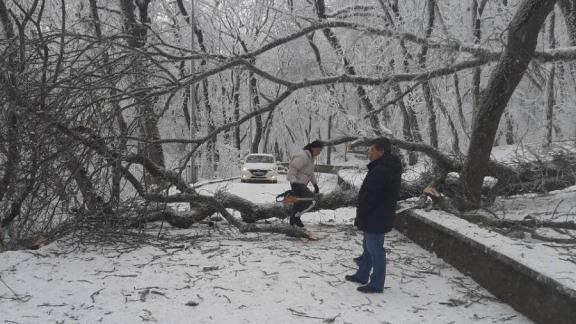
x,y
316,189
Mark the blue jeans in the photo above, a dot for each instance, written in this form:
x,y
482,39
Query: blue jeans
x,y
373,258
302,191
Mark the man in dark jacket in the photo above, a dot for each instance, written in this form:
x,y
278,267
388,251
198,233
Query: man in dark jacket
x,y
375,214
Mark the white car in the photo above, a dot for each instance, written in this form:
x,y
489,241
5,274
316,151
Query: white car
x,y
259,167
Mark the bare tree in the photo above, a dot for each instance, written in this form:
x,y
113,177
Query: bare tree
x,y
72,98
519,50
320,8
550,85
568,8
410,128
432,128
137,31
477,11
5,20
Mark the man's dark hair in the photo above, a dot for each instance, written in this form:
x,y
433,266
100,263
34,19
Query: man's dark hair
x,y
316,143
382,144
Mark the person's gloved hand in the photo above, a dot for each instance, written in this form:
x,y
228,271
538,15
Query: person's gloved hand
x,y
316,189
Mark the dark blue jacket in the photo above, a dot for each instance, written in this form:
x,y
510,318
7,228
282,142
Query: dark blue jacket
x,y
378,195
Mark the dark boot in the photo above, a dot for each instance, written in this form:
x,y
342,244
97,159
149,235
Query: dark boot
x,y
369,290
295,221
355,279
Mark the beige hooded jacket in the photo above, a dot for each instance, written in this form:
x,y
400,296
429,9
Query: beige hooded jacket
x,y
301,168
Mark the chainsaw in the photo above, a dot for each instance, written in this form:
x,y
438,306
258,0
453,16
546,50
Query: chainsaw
x,y
289,198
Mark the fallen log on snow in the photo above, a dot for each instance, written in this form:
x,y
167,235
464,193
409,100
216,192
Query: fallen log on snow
x,y
251,212
538,173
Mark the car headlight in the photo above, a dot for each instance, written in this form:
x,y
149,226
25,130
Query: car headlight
x,y
244,169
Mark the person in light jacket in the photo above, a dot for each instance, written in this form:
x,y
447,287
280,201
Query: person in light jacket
x,y
300,173
375,214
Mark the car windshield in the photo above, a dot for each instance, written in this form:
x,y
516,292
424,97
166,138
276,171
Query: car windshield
x,y
259,159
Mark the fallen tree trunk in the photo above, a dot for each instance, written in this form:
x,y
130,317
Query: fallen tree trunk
x,y
174,218
543,175
543,185
205,206
539,176
512,227
509,223
251,212
446,162
187,219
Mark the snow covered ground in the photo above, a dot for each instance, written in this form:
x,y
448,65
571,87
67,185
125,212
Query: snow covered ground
x,y
265,192
216,275
526,152
553,261
558,205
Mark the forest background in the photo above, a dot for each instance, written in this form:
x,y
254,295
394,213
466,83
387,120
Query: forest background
x,y
105,105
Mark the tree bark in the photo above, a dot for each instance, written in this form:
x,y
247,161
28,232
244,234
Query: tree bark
x,y
19,196
521,43
12,153
459,105
410,120
80,175
432,127
509,130
568,8
236,102
137,38
5,20
444,110
329,136
476,33
120,121
255,100
406,124
550,85
11,144
213,156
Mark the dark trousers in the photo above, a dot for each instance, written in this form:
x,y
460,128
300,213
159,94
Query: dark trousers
x,y
373,258
300,190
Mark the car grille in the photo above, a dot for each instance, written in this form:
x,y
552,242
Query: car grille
x,y
259,173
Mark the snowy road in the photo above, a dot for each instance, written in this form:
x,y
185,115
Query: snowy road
x,y
265,192
216,275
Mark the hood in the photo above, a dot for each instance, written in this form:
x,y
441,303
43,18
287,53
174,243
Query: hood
x,y
259,166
